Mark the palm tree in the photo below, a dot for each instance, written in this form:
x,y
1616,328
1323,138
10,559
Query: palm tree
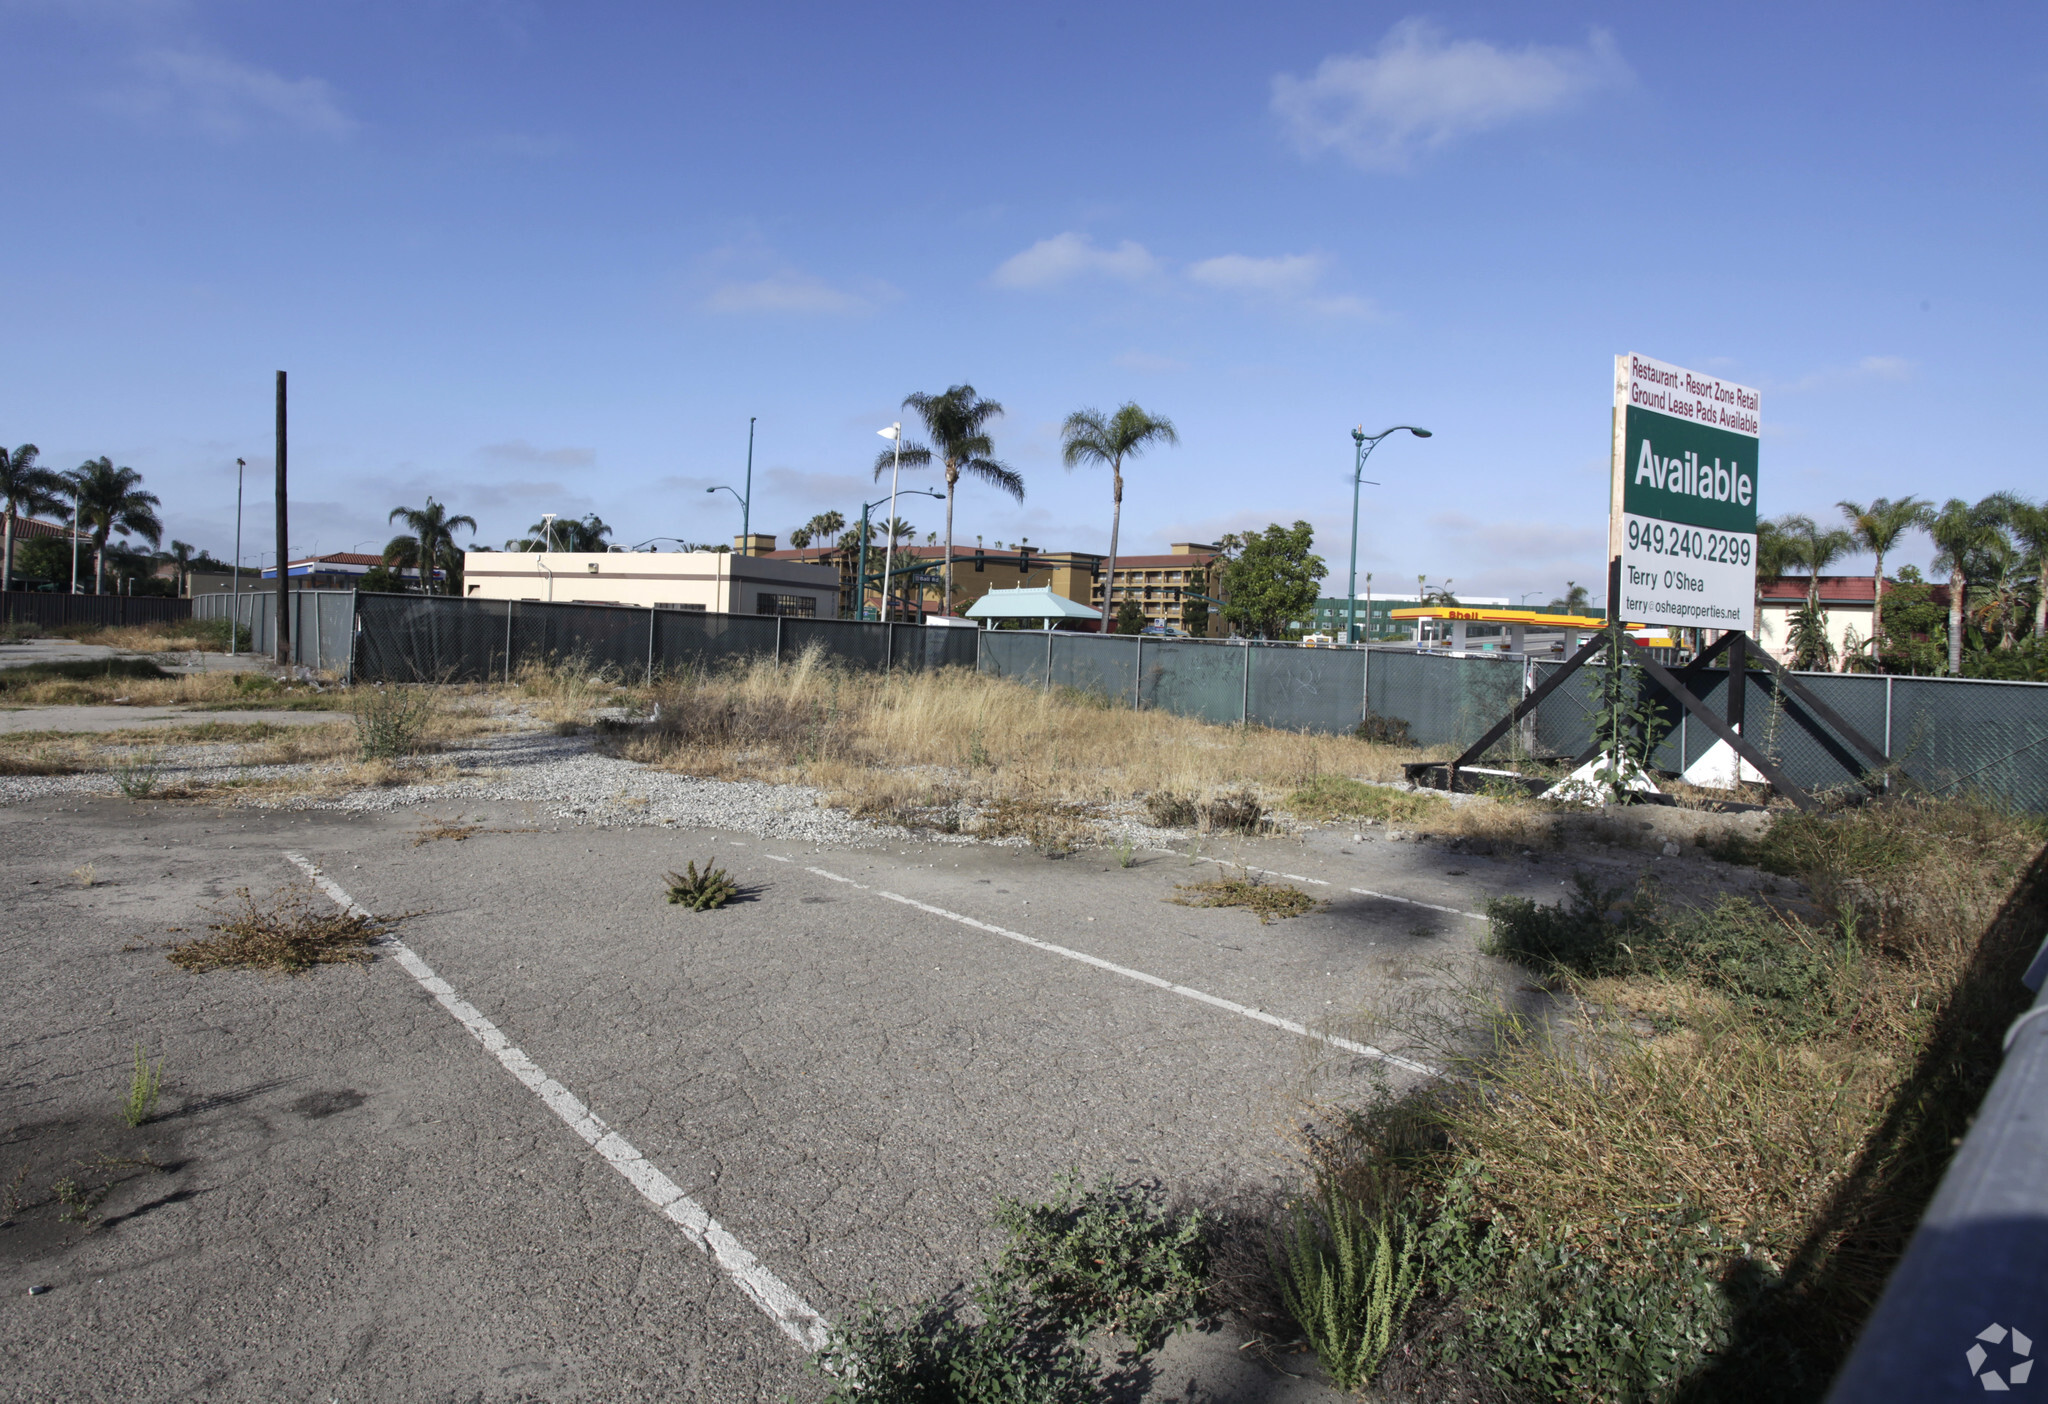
x,y
429,543
957,423
1775,550
2030,524
26,488
181,552
1572,601
1876,529
1816,548
1089,438
110,500
1962,533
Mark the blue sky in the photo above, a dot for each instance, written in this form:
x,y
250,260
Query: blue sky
x,y
533,258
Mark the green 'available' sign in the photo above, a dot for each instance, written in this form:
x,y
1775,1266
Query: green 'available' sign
x,y
1682,513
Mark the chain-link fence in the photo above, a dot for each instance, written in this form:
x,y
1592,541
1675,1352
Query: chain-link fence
x,y
320,624
1950,736
51,610
413,638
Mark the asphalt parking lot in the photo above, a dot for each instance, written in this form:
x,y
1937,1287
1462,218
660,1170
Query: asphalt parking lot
x,y
809,1098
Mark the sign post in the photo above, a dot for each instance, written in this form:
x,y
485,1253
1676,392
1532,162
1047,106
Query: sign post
x,y
1681,519
1681,536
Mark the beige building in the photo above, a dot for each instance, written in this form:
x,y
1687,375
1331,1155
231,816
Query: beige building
x,y
704,582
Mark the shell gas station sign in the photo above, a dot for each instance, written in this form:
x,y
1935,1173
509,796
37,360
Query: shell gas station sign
x,y
1682,510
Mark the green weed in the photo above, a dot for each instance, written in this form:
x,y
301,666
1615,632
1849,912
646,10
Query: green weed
x,y
1337,797
390,722
701,892
1347,1278
1106,1258
928,1353
144,1087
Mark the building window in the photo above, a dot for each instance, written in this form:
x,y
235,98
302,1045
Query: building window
x,y
685,608
789,606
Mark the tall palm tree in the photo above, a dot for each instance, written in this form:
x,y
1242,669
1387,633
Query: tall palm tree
x,y
111,500
181,552
1776,549
1876,529
26,488
1815,547
957,422
2029,522
1962,532
429,543
1089,438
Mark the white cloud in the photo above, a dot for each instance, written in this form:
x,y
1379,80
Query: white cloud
x,y
229,98
1419,91
801,294
1288,275
1064,257
1292,280
520,451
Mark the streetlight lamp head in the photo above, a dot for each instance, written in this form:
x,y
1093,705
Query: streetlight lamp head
x,y
1419,433
1358,435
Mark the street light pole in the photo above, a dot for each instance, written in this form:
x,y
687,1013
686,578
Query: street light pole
x,y
1365,445
747,502
894,433
235,618
860,586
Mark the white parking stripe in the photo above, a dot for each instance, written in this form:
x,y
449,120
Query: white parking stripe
x,y
1368,892
790,1312
1363,1050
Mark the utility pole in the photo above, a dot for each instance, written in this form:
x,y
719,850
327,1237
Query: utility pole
x,y
747,502
284,560
235,615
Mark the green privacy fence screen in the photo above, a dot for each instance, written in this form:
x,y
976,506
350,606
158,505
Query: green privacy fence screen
x,y
1950,736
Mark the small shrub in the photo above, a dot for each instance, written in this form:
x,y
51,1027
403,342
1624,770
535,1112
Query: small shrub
x,y
1383,730
255,684
1126,853
78,670
139,776
1237,813
144,1086
1585,934
1347,1278
1170,811
1107,1258
213,635
929,1354
85,875
700,892
391,722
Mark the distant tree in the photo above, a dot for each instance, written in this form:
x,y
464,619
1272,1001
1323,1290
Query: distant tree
x,y
1194,617
958,424
111,500
26,489
1776,550
825,526
800,538
428,543
1270,577
45,558
1574,600
1877,529
1130,617
1816,548
2029,522
567,534
1087,437
896,529
1963,532
382,580
181,555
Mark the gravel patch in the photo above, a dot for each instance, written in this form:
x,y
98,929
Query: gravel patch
x,y
561,775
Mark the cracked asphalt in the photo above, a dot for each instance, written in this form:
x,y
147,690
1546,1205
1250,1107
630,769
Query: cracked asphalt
x,y
345,1197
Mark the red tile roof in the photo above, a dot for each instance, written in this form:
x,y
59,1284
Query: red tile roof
x,y
1846,591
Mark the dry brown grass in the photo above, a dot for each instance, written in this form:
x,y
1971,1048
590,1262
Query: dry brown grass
x,y
919,745
1814,1136
40,686
292,930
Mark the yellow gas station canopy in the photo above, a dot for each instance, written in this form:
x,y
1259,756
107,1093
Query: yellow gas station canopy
x,y
1475,614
